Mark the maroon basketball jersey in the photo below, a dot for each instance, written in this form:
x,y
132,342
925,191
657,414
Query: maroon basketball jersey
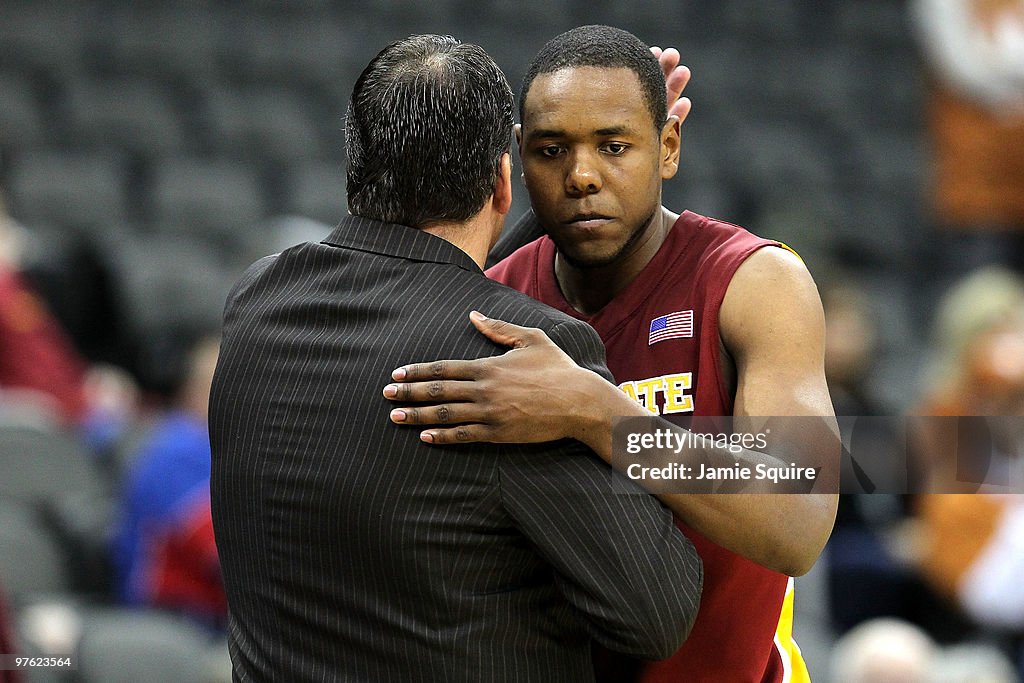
x,y
661,335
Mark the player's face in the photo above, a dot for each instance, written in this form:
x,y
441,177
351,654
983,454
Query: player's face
x,y
594,161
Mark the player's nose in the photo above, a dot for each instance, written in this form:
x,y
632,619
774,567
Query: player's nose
x,y
582,177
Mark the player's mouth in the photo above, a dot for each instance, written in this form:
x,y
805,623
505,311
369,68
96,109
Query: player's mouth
x,y
588,221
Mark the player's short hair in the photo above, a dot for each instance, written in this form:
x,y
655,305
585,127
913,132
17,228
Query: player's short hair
x,y
427,124
606,47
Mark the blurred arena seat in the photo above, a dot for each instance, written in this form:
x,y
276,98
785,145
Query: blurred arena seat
x,y
708,196
171,281
20,120
129,646
786,155
213,199
777,21
41,463
32,561
119,645
283,49
893,160
52,187
167,289
873,22
41,36
318,191
294,6
258,123
134,115
157,40
59,504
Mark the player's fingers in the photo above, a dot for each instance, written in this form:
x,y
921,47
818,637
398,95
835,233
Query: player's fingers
x,y
505,333
444,414
669,60
439,369
681,109
676,80
433,391
656,50
455,435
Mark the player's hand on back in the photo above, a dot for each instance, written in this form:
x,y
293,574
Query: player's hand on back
x,y
530,394
676,78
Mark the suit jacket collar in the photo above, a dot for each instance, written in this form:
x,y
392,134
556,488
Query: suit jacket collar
x,y
400,241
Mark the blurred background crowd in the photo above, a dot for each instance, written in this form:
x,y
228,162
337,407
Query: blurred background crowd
x,y
149,151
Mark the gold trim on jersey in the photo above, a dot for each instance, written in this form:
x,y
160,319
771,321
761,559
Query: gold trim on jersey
x,y
793,666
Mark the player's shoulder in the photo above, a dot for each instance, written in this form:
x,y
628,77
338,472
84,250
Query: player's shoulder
x,y
719,250
716,231
771,290
769,263
771,280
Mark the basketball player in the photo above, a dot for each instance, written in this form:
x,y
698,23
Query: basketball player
x,y
698,316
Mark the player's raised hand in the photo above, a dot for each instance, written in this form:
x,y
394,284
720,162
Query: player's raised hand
x,y
530,394
676,78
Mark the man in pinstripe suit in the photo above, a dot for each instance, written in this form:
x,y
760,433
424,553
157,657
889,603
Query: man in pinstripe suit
x,y
350,551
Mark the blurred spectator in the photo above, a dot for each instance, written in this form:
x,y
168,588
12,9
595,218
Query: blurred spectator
x,y
851,341
975,55
975,555
883,651
164,552
36,357
38,361
975,368
866,580
972,544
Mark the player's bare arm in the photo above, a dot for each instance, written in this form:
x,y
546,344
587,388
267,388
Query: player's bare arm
x,y
772,324
773,327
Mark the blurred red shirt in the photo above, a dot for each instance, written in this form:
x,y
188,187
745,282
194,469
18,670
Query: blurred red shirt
x,y
35,352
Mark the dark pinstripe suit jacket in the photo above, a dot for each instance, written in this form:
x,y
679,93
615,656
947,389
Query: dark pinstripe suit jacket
x,y
353,552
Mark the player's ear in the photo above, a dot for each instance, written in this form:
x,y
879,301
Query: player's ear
x,y
670,141
518,129
502,198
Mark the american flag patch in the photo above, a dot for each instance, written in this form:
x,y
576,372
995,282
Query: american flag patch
x,y
678,325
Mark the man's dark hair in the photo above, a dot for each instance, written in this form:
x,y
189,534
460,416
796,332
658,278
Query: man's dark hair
x,y
605,47
428,122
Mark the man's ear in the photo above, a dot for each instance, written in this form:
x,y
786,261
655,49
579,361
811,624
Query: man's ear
x,y
502,199
518,128
670,141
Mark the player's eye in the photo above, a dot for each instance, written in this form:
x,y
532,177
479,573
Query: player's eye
x,y
550,151
615,148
